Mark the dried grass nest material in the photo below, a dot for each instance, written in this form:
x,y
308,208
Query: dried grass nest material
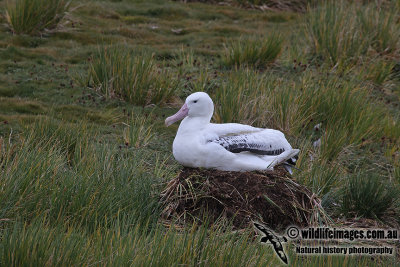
x,y
272,197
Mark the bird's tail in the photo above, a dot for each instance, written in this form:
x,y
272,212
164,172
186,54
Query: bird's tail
x,y
290,164
284,157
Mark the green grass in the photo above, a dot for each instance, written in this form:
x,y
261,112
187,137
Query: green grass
x,y
379,23
334,33
236,98
379,72
345,111
67,136
342,33
366,195
84,152
119,73
138,132
35,16
258,53
39,181
40,244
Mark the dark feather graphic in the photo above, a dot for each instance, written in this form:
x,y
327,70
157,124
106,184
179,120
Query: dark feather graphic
x,y
275,241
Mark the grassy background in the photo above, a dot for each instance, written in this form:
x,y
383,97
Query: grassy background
x,y
84,152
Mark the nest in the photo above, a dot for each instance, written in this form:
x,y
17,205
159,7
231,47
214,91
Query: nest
x,y
271,197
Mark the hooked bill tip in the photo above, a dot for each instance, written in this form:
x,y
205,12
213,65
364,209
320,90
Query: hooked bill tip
x,y
183,112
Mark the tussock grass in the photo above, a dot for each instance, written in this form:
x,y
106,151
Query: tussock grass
x,y
25,167
379,24
341,32
37,182
253,52
346,112
318,175
204,82
379,72
35,16
68,136
136,78
341,260
199,76
41,244
139,131
344,109
396,174
185,60
235,100
286,108
366,195
334,33
53,213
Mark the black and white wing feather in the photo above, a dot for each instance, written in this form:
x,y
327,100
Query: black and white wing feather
x,y
267,142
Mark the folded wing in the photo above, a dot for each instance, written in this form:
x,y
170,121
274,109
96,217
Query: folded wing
x,y
266,142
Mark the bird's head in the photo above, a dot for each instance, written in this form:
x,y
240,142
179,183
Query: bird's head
x,y
196,105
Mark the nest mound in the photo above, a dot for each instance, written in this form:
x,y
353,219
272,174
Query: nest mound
x,y
272,197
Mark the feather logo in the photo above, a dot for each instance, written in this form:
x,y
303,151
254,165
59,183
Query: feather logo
x,y
275,240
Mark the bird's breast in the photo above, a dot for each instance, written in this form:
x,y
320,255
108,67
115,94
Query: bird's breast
x,y
188,150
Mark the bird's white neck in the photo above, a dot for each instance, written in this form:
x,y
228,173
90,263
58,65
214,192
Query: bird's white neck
x,y
194,124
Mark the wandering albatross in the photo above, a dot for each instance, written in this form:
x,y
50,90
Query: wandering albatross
x,y
225,146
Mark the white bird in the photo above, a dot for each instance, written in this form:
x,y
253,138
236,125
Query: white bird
x,y
225,146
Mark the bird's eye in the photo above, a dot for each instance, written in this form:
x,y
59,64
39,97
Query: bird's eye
x,y
195,101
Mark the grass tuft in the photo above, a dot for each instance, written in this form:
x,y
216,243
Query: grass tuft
x,y
139,133
68,136
104,183
342,33
379,24
119,72
250,52
334,33
379,72
35,16
295,108
235,99
366,195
